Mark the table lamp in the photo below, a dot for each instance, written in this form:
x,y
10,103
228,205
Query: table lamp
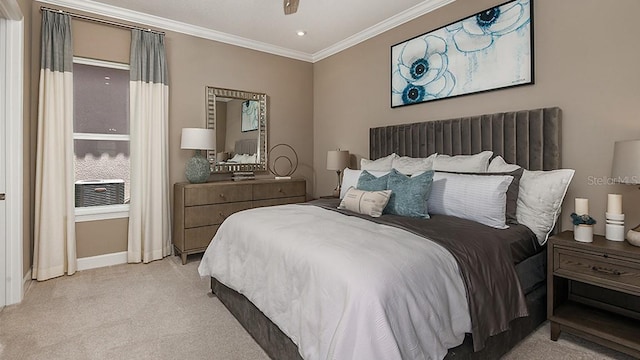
x,y
198,168
626,170
337,160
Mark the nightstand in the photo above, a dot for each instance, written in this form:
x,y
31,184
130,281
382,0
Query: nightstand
x,y
593,291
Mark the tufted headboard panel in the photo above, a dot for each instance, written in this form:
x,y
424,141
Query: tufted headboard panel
x,y
529,138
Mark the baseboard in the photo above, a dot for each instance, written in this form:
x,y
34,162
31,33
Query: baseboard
x,y
99,261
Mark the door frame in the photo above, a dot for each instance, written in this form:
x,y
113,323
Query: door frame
x,y
12,65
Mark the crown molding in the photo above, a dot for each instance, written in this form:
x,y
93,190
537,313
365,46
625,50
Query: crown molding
x,y
385,25
176,26
201,32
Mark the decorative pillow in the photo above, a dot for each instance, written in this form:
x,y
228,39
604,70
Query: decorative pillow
x,y
409,194
463,163
498,165
408,165
382,164
350,178
478,198
540,199
370,182
512,192
365,202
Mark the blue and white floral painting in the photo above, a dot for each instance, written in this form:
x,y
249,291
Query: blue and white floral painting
x,y
250,115
489,50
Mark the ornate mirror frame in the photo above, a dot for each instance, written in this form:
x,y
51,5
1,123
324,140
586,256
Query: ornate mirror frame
x,y
261,154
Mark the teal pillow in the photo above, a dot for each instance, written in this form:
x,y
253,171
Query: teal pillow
x,y
409,194
369,182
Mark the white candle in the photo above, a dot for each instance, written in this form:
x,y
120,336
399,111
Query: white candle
x,y
614,204
582,206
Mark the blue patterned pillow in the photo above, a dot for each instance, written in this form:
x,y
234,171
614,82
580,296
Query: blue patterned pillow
x,y
370,182
409,194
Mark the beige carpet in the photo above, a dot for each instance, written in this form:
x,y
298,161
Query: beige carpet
x,y
163,310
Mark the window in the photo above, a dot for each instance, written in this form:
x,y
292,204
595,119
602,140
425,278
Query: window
x,y
101,139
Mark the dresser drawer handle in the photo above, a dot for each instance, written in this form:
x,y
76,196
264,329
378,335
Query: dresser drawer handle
x,y
222,195
100,190
280,190
606,271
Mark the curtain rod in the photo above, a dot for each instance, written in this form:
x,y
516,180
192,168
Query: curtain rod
x,y
101,21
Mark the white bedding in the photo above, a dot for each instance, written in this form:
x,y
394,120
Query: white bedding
x,y
342,287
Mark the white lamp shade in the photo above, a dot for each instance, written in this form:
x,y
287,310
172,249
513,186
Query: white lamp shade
x,y
626,162
337,160
198,139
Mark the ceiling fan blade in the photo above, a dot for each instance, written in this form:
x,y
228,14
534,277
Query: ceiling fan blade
x,y
290,6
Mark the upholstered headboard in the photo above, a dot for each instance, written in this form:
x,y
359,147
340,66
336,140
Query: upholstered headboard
x,y
246,146
529,138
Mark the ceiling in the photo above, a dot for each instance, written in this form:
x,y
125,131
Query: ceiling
x,y
330,25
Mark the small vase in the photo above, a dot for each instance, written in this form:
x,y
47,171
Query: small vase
x,y
583,233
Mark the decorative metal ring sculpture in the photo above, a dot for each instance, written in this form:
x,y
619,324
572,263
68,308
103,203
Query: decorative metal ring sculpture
x,y
293,161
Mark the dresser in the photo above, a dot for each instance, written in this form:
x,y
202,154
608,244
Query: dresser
x,y
594,291
199,209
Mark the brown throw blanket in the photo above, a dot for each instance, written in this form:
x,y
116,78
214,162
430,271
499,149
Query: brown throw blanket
x,y
484,257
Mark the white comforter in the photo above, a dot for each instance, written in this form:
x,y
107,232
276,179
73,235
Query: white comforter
x,y
342,287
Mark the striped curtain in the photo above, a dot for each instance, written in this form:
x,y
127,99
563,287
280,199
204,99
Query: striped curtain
x,y
54,252
149,223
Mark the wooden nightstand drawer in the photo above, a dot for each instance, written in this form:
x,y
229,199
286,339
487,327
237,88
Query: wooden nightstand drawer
x,y
600,269
276,190
216,194
203,215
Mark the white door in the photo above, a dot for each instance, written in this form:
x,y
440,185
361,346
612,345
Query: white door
x,y
11,164
3,182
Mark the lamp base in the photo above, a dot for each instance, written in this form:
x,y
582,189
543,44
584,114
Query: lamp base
x,y
198,168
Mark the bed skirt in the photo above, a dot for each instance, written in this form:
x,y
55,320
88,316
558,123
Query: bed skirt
x,y
279,347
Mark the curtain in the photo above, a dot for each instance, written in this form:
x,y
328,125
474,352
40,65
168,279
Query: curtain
x,y
54,252
149,223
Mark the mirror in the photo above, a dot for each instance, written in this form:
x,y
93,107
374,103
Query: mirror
x,y
239,119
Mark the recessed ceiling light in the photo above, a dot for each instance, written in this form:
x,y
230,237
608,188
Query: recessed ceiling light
x,y
301,33
107,78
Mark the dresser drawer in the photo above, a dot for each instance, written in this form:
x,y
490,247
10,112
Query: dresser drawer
x,y
279,201
612,272
203,215
216,194
199,238
276,190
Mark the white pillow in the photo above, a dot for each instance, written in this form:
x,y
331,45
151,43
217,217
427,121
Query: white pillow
x,y
463,163
350,179
365,202
540,199
382,164
236,158
408,165
499,165
478,198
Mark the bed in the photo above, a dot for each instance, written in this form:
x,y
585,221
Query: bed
x,y
528,138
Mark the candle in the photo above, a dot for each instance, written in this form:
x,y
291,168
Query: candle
x,y
614,204
582,206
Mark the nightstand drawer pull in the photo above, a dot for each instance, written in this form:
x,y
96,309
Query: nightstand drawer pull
x,y
606,271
